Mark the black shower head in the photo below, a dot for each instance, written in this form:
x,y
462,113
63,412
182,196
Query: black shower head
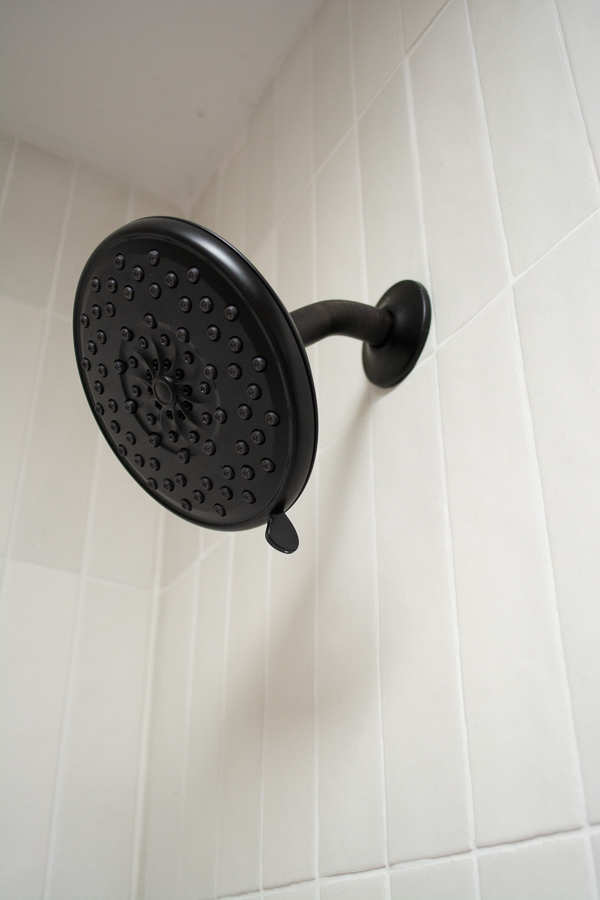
x,y
198,376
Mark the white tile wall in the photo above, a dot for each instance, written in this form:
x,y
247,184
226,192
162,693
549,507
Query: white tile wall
x,y
520,744
422,702
407,707
563,381
74,652
95,814
37,620
544,171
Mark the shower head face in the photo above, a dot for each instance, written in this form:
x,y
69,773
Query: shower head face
x,y
195,373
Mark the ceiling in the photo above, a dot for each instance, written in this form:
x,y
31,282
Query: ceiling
x,y
150,91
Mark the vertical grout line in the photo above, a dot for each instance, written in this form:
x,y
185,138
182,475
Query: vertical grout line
x,y
371,438
144,752
560,35
189,695
9,175
543,521
488,144
264,719
223,706
469,801
547,550
67,706
414,144
453,595
312,187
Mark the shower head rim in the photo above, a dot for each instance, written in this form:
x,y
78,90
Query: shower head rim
x,y
280,331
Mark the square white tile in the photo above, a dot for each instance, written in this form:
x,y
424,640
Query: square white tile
x,y
417,15
16,319
289,764
369,887
123,526
377,44
293,124
239,820
393,221
97,797
422,705
581,30
520,742
332,76
31,223
260,209
559,324
450,880
349,728
544,171
552,870
37,617
53,507
204,748
462,219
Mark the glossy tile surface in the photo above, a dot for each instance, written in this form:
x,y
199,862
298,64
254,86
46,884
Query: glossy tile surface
x,y
552,870
545,175
563,382
520,742
406,708
452,880
462,221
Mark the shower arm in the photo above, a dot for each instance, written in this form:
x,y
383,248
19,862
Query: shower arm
x,y
343,317
393,332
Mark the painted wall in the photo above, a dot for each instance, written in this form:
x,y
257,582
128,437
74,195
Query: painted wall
x,y
407,708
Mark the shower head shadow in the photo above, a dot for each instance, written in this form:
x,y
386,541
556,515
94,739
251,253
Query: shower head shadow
x,y
198,376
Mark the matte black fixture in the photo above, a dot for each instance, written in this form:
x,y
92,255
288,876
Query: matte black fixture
x,y
198,377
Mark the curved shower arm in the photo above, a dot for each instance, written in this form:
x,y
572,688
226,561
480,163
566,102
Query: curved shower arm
x,y
345,317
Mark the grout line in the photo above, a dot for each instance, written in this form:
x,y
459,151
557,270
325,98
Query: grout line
x,y
91,579
453,595
264,722
427,29
37,388
189,695
9,175
312,187
60,767
487,141
371,438
146,723
537,482
560,35
223,708
469,800
410,865
556,617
